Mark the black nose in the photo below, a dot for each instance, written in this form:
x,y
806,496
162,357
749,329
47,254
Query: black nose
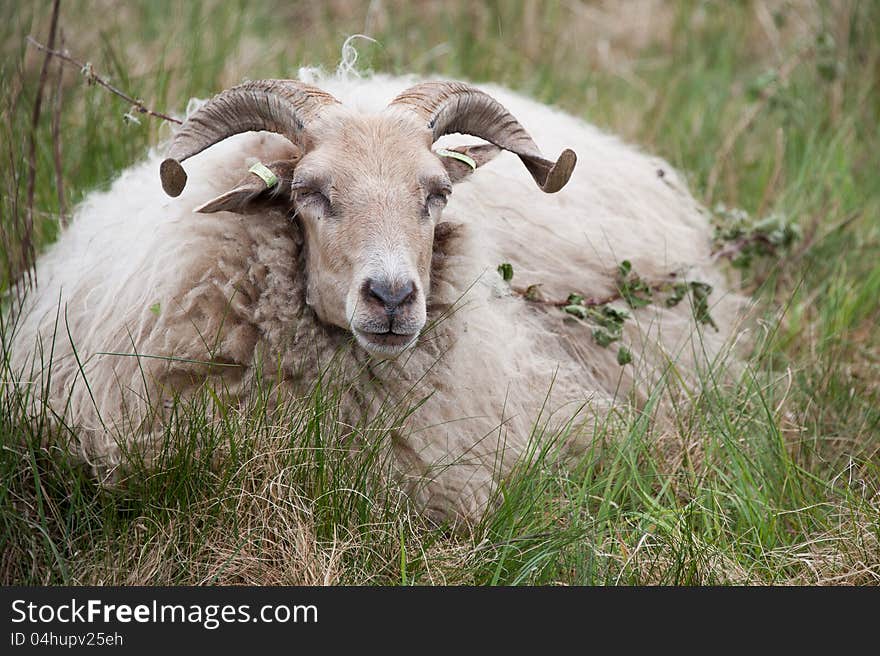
x,y
392,297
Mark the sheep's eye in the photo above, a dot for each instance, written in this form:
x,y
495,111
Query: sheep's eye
x,y
436,202
307,197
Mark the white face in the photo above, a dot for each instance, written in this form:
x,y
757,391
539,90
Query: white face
x,y
368,196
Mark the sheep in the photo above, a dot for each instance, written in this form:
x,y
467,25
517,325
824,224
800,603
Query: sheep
x,y
315,225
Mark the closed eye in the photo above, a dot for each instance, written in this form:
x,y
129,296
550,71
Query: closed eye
x,y
313,199
438,199
434,204
438,194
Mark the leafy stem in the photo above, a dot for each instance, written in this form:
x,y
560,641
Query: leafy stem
x,y
608,321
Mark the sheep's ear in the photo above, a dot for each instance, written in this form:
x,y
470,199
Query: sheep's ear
x,y
462,161
264,187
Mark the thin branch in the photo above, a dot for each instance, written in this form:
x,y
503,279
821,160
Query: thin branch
x,y
533,295
777,172
748,117
26,242
92,77
56,142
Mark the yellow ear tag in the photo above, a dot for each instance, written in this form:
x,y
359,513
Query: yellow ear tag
x,y
265,174
461,157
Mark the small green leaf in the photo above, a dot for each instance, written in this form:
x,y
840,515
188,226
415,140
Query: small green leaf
x,y
577,310
635,301
635,291
679,291
575,299
700,291
603,337
608,317
758,86
615,315
828,64
624,357
156,308
505,270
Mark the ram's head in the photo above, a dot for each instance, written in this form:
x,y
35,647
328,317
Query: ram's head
x,y
368,189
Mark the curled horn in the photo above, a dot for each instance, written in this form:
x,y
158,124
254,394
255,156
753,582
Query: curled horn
x,y
283,106
449,107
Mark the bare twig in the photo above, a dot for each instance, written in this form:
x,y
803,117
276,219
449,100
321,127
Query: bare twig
x,y
765,18
91,76
777,172
748,117
56,142
27,239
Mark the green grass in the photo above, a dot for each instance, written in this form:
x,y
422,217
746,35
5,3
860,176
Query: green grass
x,y
776,481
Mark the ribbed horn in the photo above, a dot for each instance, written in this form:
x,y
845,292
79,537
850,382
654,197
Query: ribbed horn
x,y
448,107
287,107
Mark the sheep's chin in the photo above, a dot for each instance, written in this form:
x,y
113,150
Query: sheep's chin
x,y
384,345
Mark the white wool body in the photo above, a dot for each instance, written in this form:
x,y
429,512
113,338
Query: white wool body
x,y
140,273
